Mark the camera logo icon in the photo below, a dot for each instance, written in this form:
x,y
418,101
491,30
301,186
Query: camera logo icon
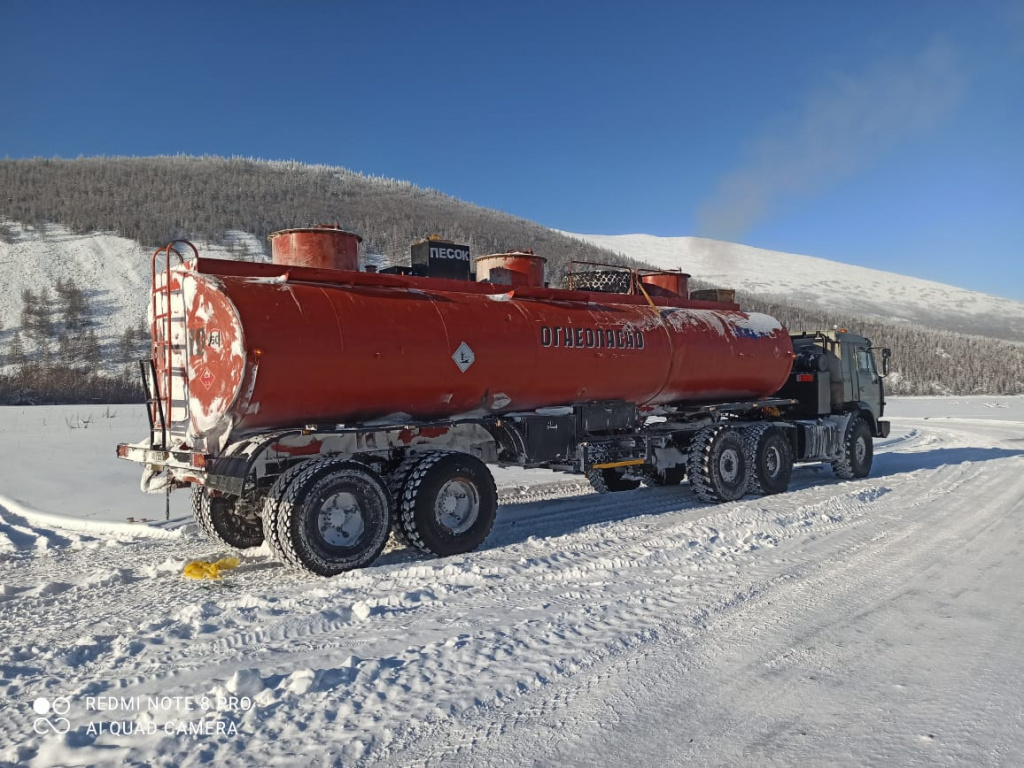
x,y
51,715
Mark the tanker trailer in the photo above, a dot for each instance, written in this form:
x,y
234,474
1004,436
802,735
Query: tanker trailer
x,y
321,409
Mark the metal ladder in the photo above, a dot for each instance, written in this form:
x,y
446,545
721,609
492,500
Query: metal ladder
x,y
169,352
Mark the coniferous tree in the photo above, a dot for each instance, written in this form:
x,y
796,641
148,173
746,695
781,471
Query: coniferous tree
x,y
42,327
91,352
127,345
66,349
17,354
29,309
72,305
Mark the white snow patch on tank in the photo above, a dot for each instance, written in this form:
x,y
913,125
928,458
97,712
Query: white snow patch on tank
x,y
210,419
648,323
710,318
761,324
724,323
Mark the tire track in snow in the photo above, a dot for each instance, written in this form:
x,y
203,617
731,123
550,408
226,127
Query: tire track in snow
x,y
582,563
611,571
769,623
92,665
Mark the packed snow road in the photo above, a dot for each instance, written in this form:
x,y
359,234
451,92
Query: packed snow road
x,y
866,622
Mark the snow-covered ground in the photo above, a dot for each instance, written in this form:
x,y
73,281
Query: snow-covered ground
x,y
811,281
867,622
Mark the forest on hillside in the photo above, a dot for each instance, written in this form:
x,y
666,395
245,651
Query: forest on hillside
x,y
925,361
154,200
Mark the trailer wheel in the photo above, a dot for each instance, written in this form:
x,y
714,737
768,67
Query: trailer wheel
x,y
719,470
449,504
272,505
397,480
858,451
332,515
219,519
611,481
771,459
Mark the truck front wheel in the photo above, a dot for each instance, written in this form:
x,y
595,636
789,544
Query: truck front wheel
x,y
858,451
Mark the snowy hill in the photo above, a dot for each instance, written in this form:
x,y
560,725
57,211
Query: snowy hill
x,y
114,272
807,280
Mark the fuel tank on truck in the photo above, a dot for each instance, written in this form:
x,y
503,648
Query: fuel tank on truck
x,y
282,346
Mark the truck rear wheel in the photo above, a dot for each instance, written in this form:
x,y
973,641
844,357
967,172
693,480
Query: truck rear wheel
x,y
219,519
858,451
719,470
771,459
448,505
332,515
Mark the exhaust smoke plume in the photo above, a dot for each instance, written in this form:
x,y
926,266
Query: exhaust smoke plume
x,y
841,130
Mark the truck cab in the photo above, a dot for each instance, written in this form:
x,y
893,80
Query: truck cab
x,y
835,372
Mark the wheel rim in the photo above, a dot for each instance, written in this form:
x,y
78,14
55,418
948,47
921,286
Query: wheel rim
x,y
457,505
341,520
772,461
860,450
729,465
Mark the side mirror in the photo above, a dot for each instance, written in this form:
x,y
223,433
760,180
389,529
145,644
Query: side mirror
x,y
886,354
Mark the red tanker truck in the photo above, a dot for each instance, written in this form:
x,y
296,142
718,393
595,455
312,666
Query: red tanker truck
x,y
320,408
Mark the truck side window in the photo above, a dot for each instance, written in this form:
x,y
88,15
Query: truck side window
x,y
866,364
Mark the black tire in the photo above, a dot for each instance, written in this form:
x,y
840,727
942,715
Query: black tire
x,y
449,504
662,477
272,504
719,470
219,520
771,459
332,515
611,481
397,480
858,451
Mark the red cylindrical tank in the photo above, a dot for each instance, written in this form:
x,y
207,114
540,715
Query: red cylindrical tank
x,y
671,283
324,247
278,349
528,267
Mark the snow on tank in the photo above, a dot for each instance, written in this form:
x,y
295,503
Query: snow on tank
x,y
216,356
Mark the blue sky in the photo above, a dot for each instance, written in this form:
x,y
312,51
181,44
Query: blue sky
x,y
876,133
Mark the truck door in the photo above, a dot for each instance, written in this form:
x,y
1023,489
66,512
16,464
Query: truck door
x,y
867,383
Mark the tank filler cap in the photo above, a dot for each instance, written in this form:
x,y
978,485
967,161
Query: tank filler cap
x,y
325,246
